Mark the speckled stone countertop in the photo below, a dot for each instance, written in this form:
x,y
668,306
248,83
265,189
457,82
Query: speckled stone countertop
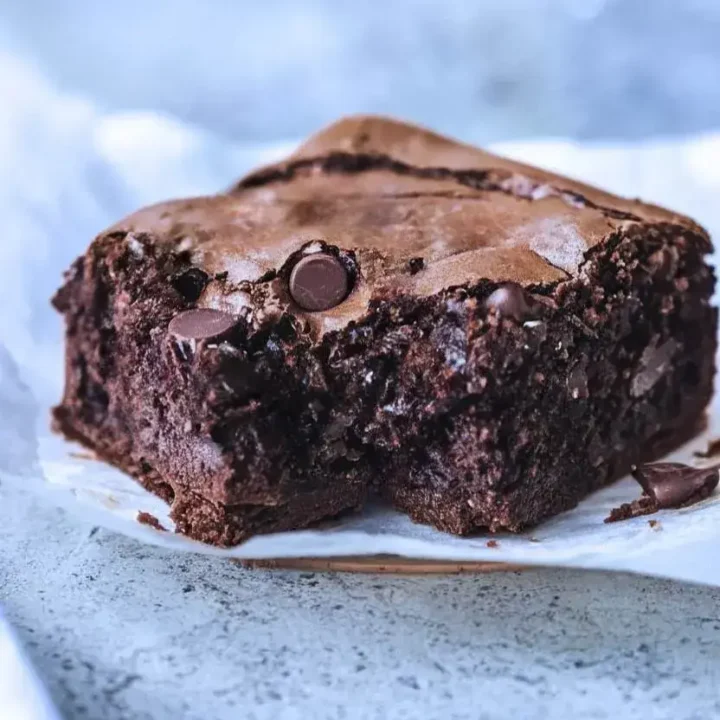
x,y
118,630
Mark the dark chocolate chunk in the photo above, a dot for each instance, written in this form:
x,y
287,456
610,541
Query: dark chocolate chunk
x,y
665,486
319,282
191,283
415,265
510,300
201,324
673,485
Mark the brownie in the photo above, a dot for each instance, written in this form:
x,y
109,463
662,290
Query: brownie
x,y
387,313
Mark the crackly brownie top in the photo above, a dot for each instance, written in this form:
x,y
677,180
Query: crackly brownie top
x,y
391,207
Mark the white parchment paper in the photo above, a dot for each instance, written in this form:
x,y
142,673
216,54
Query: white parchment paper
x,y
68,171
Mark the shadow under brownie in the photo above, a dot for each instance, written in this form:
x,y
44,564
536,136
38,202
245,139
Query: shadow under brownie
x,y
387,312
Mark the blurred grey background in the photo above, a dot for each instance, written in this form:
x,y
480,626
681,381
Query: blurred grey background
x,y
488,69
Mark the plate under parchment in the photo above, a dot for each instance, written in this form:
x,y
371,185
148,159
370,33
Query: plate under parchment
x,y
384,564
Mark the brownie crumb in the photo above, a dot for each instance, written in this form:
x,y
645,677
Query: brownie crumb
x,y
644,505
713,449
654,524
145,518
415,265
492,543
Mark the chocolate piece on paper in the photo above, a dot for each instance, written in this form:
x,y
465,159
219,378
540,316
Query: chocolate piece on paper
x,y
146,518
667,486
674,485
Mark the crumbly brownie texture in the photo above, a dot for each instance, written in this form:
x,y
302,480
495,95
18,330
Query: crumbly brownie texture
x,y
387,312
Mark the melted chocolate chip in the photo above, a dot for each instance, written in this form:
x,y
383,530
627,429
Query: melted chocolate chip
x,y
510,300
201,324
415,265
673,485
319,282
665,486
191,283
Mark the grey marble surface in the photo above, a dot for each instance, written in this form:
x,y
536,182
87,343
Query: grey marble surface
x,y
118,630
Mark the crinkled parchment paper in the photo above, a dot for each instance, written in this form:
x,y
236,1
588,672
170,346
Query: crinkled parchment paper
x,y
68,171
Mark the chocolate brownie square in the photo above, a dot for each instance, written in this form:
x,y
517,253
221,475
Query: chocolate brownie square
x,y
387,312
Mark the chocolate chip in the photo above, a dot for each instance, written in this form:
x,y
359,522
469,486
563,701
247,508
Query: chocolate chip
x,y
673,485
191,283
510,300
201,324
415,265
319,282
